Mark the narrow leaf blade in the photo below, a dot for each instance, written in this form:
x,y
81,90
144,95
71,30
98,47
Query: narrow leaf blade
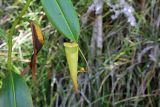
x,y
62,15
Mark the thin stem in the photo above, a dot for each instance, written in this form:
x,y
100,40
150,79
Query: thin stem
x,y
84,57
11,34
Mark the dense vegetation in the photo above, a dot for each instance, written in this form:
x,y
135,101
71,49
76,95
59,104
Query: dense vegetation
x,y
124,73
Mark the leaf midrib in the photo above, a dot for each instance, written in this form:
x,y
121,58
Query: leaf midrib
x,y
13,89
65,19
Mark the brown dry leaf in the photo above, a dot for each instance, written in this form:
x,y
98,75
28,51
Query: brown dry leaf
x,y
38,41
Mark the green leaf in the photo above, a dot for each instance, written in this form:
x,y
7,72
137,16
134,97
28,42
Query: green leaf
x,y
14,92
62,15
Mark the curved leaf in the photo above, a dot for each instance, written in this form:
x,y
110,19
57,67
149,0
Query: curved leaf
x,y
14,92
61,13
38,42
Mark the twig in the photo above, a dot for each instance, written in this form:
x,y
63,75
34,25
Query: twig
x,y
84,18
135,97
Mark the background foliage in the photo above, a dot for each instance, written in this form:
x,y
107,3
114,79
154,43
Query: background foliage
x,y
125,74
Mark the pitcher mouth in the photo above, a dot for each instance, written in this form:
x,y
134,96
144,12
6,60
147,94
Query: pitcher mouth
x,y
70,45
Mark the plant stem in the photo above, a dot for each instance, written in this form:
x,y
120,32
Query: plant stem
x,y
11,32
84,57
